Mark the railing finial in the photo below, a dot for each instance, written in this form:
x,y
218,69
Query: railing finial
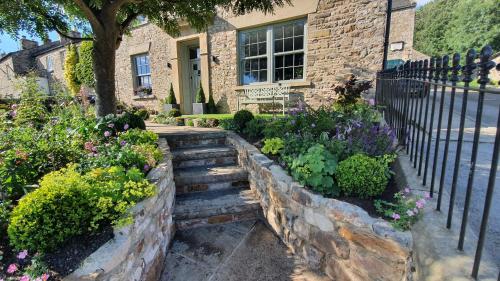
x,y
439,61
455,68
445,69
426,69
469,66
485,65
432,68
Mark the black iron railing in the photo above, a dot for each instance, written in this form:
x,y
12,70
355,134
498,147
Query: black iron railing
x,y
416,97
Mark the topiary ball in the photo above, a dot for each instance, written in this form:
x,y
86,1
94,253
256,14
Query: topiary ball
x,y
362,176
241,118
174,113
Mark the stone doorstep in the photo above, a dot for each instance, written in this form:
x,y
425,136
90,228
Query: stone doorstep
x,y
204,175
207,162
183,154
218,219
185,143
189,188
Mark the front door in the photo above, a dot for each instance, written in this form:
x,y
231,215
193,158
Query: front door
x,y
194,77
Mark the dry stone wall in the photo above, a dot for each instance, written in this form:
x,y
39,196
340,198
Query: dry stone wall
x,y
335,237
137,251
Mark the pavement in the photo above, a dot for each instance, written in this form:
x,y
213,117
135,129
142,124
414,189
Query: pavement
x,y
241,251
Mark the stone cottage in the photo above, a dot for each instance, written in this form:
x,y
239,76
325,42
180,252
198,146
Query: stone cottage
x,y
310,45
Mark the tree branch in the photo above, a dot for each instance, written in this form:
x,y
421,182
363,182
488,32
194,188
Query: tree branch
x,y
128,20
72,37
89,13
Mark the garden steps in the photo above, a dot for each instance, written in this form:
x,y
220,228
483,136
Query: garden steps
x,y
210,186
204,156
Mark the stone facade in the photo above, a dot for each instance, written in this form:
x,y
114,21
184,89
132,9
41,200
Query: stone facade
x,y
342,37
137,251
334,237
402,27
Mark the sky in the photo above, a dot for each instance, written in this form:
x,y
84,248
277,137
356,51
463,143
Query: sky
x,y
8,44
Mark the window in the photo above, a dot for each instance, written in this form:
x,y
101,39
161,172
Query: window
x,y
50,64
62,57
142,70
279,48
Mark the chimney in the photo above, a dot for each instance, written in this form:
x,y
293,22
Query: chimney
x,y
27,44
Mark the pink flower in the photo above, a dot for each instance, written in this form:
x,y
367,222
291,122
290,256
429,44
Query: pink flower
x,y
371,102
407,190
427,195
107,134
22,255
13,113
25,278
125,127
45,277
13,107
12,268
420,203
111,125
395,216
410,213
89,146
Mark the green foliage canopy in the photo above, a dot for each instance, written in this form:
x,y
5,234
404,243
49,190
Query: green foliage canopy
x,y
84,67
446,26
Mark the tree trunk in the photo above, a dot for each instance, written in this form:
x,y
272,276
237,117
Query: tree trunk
x,y
104,68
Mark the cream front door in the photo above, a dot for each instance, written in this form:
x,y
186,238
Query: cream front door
x,y
194,78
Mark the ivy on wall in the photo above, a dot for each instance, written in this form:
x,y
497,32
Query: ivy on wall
x,y
70,70
84,68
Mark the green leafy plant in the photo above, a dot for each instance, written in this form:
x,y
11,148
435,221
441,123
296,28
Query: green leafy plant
x,y
363,176
241,118
273,146
84,67
228,124
350,92
254,128
190,122
171,97
31,109
143,113
174,113
211,107
70,72
200,95
138,136
404,211
315,169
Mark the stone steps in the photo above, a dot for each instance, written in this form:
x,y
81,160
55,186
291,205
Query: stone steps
x,y
210,186
204,156
215,207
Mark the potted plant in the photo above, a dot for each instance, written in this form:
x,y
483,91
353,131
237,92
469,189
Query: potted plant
x,y
170,102
199,106
143,91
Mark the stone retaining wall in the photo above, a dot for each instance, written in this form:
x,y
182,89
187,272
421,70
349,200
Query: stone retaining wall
x,y
137,251
335,237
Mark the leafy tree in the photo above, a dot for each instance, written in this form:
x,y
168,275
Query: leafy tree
x,y
446,26
84,68
109,20
70,70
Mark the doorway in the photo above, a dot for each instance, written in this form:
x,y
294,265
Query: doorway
x,y
194,72
190,74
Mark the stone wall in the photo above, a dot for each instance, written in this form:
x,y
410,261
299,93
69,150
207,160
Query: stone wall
x,y
402,29
57,75
335,237
137,251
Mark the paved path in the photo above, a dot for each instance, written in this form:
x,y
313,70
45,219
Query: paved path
x,y
241,251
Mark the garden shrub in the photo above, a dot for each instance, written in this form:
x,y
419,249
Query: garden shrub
x,y
211,107
138,136
200,95
350,92
212,122
174,113
315,169
68,204
276,128
372,139
31,109
363,176
241,118
70,72
84,67
254,128
190,122
143,113
171,97
272,146
163,118
228,124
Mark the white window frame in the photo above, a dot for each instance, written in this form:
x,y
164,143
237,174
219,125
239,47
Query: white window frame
x,y
136,73
270,55
50,63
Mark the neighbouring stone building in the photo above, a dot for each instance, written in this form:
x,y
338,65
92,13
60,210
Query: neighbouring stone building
x,y
310,45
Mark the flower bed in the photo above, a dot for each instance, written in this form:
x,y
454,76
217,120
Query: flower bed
x,y
65,174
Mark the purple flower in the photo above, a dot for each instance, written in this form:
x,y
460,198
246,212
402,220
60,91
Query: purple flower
x,y
13,107
25,278
126,126
123,143
13,113
407,190
371,102
420,203
395,216
146,167
427,195
22,255
107,134
111,125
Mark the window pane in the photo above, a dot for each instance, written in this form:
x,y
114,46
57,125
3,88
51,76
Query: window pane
x,y
262,63
255,76
288,30
299,43
288,73
254,64
278,46
298,72
288,60
298,29
244,39
247,65
263,76
247,50
262,48
253,37
262,36
247,78
253,50
278,61
299,59
278,74
278,32
288,44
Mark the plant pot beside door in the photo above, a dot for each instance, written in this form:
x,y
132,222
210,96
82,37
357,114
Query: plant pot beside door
x,y
199,106
170,101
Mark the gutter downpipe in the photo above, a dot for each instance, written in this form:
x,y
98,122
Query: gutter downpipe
x,y
387,32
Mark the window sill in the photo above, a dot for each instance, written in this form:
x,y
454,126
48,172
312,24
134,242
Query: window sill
x,y
293,84
138,98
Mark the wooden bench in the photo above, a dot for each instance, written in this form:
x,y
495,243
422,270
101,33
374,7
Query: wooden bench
x,y
269,94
